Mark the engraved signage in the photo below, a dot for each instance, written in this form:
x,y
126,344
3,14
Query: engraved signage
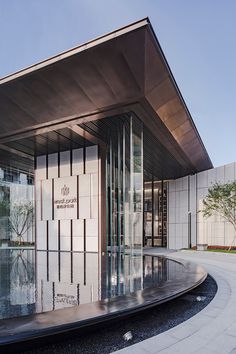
x,y
65,299
65,198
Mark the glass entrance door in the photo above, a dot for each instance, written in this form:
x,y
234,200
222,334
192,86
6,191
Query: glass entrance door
x,y
155,214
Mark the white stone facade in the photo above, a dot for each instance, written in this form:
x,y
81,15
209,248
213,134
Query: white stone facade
x,y
74,229
185,223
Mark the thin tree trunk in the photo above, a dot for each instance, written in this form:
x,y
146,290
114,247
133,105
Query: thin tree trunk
x,y
229,249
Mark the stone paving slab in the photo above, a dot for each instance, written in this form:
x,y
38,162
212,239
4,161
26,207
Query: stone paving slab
x,y
212,330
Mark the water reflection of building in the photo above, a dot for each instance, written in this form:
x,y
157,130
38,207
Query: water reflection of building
x,y
123,274
17,286
47,281
55,280
65,279
22,276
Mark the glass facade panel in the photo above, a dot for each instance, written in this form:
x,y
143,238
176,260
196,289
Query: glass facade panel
x,y
16,207
136,227
124,185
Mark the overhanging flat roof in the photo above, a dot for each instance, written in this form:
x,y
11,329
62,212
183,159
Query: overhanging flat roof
x,y
117,73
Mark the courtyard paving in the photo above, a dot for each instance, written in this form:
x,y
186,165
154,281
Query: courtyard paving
x,y
212,330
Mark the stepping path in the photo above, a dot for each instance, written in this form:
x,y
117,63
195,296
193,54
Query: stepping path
x,y
212,330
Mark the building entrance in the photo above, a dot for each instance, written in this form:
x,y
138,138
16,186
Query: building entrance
x,y
155,214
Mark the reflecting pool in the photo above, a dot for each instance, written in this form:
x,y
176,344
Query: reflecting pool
x,y
35,282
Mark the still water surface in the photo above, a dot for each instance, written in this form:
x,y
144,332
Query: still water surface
x,y
35,282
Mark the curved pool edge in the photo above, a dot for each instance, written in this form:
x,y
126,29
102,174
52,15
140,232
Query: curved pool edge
x,y
30,328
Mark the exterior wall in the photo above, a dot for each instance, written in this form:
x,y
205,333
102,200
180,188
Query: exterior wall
x,y
67,229
185,197
178,213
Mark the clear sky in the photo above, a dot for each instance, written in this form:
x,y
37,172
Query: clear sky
x,y
197,37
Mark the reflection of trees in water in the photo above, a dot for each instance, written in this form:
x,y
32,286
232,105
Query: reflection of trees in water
x,y
22,279
22,270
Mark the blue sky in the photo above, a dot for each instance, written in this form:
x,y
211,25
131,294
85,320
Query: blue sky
x,y
198,39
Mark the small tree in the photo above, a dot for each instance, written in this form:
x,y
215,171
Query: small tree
x,y
21,218
221,198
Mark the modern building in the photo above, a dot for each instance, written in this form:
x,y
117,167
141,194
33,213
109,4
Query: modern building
x,y
100,140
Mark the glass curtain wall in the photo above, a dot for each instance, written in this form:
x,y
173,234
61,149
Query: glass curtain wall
x,y
124,186
16,207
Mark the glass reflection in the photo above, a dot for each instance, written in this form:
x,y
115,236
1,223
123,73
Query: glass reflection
x,y
16,207
17,283
155,214
45,281
124,185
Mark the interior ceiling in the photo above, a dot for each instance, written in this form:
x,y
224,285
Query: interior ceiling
x,y
121,72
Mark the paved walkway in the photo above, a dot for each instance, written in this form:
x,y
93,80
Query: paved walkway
x,y
212,330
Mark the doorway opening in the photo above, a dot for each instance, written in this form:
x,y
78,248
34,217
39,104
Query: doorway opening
x,y
155,214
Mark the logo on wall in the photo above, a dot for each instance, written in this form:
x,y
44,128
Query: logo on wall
x,y
65,190
65,195
65,198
